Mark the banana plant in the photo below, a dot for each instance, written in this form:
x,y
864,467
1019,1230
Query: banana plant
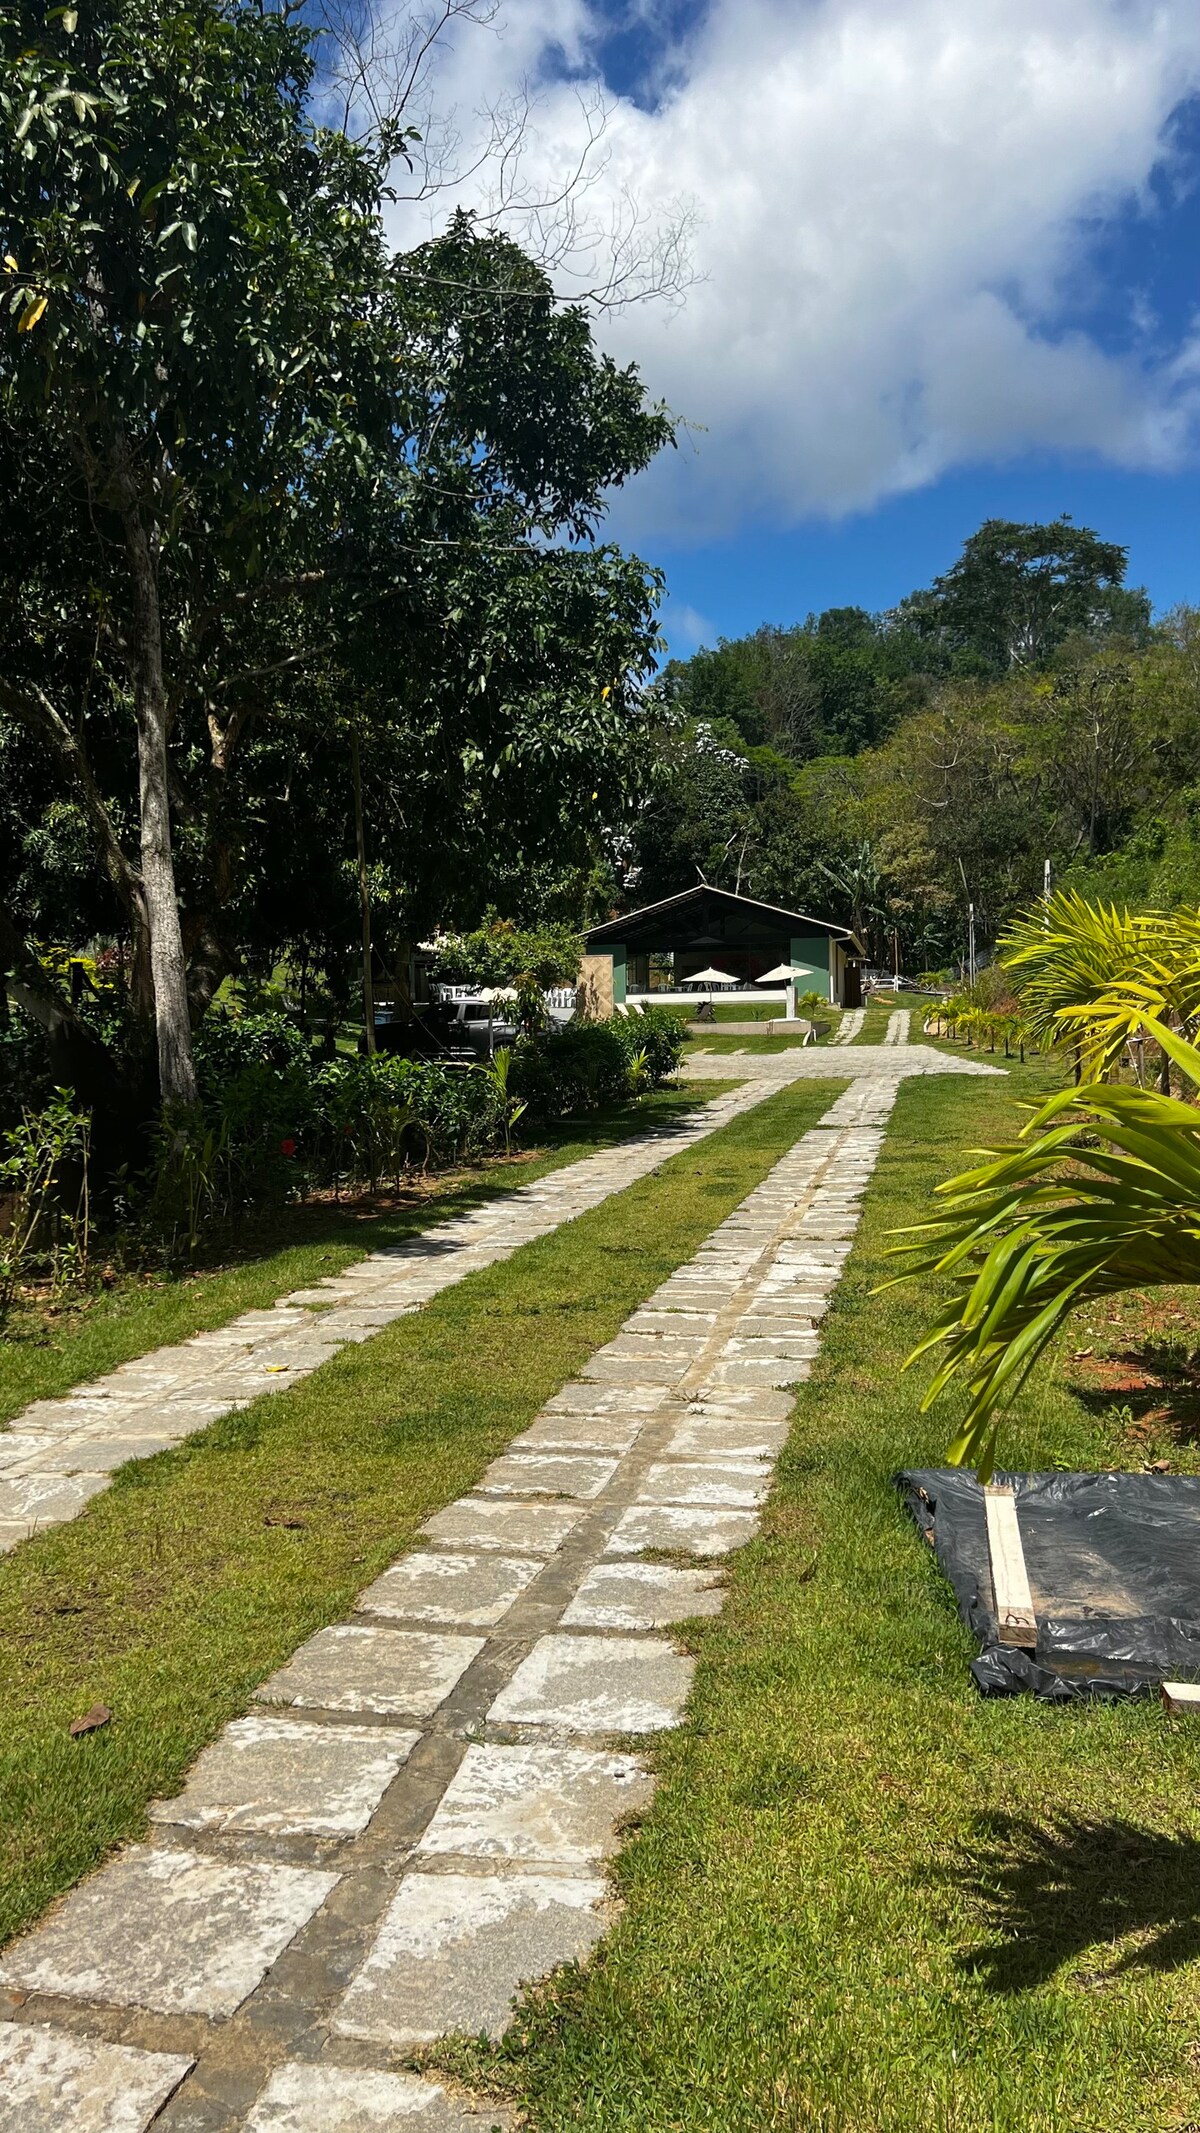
x,y
1101,1193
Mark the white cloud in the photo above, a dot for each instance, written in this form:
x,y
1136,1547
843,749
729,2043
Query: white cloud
x,y
685,629
889,197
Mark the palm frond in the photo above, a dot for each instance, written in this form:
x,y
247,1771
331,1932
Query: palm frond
x,y
1076,1210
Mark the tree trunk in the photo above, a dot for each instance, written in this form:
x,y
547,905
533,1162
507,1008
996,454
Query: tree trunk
x,y
209,962
364,893
176,1073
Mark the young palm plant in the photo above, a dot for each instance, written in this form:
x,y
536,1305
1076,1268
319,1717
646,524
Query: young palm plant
x,y
1092,975
1101,1193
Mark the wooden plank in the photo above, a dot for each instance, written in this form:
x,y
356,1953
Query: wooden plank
x,y
1182,1697
1010,1580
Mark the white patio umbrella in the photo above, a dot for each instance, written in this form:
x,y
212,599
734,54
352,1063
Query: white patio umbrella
x,y
787,974
709,978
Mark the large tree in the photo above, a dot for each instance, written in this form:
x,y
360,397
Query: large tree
x,y
1017,592
267,486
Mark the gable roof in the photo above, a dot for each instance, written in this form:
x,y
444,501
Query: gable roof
x,y
675,907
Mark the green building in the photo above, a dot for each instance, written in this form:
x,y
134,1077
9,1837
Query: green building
x,y
705,928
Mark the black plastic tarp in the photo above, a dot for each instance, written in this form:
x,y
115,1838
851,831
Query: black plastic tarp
x,y
1114,1568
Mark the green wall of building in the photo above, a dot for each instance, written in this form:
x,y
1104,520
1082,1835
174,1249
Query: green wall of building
x,y
815,950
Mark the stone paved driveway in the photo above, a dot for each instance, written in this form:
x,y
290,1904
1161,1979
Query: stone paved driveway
x,y
414,1820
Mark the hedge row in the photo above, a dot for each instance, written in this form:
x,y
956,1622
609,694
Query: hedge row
x,y
274,1119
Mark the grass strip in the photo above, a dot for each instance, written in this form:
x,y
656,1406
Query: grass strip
x,y
41,1361
866,1900
714,1041
200,1570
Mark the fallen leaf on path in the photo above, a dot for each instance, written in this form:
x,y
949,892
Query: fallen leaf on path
x,y
1079,1353
91,1721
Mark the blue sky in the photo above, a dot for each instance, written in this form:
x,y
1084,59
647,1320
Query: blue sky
x,y
942,267
872,559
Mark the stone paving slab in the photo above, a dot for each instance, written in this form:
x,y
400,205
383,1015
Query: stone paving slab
x,y
17,1444
339,2099
533,1528
675,1529
168,1930
547,1474
584,1399
454,1949
102,1455
597,1685
734,1488
583,1433
641,1596
717,1437
633,1370
289,1777
353,1667
541,1806
50,2082
268,1350
474,1590
48,1499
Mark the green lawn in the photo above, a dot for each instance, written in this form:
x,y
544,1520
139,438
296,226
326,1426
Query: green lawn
x,y
866,1900
41,1358
729,1011
200,1570
709,1040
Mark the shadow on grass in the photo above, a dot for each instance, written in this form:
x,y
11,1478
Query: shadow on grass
x,y
1166,1386
1054,1891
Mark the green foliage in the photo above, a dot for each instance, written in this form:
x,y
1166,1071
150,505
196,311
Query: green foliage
x,y
1092,976
1106,1200
1073,1212
44,1190
498,1072
592,1064
887,771
25,1081
497,952
1018,592
303,476
276,1120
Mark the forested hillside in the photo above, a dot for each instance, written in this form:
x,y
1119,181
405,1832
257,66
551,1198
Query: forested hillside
x,y
888,769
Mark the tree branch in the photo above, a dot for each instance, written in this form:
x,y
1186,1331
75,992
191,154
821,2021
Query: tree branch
x,y
33,709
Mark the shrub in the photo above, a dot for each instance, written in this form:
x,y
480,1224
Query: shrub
x,y
578,1068
44,1181
661,1034
589,1064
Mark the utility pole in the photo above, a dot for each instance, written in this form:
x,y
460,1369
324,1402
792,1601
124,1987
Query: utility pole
x,y
1047,879
971,941
895,959
364,894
